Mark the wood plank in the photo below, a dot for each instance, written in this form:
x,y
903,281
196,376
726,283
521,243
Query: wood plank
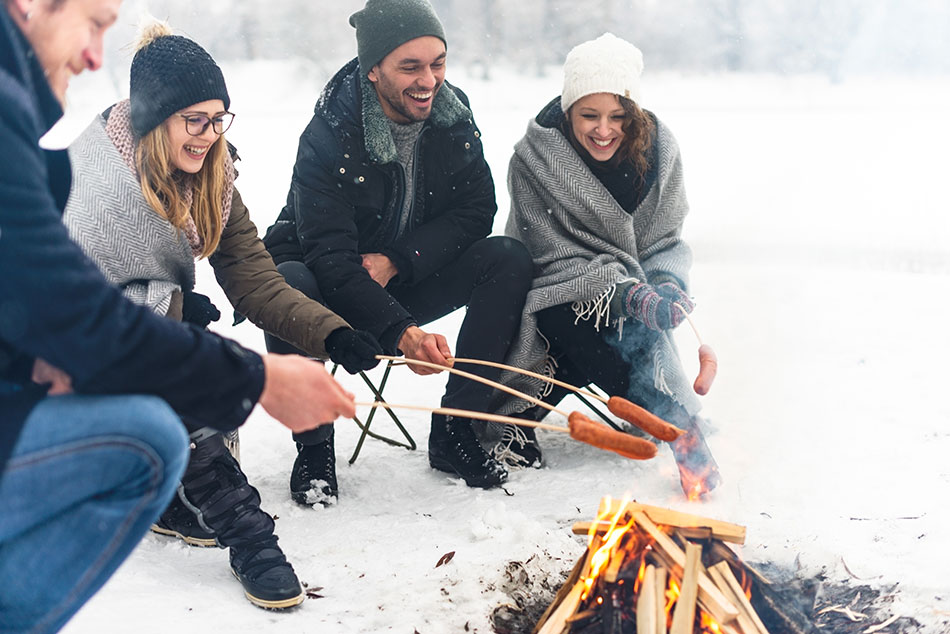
x,y
661,577
726,531
579,568
746,626
646,603
710,596
684,614
739,593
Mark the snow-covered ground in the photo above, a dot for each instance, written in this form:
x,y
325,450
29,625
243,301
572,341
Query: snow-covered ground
x,y
822,271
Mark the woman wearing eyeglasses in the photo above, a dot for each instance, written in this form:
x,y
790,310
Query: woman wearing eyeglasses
x,y
153,189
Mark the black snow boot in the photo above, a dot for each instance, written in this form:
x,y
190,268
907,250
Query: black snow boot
x,y
269,580
454,448
179,521
313,478
225,504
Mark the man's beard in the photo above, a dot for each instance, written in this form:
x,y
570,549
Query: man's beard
x,y
396,103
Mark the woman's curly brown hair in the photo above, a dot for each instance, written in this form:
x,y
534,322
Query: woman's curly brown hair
x,y
638,132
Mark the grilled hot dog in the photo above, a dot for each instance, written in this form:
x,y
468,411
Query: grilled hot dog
x,y
602,437
650,423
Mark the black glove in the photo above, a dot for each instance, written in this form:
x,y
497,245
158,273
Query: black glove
x,y
197,309
355,350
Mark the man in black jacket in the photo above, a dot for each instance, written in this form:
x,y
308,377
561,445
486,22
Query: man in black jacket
x,y
386,222
92,387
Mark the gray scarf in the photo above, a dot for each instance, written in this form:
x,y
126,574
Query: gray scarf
x,y
583,243
135,248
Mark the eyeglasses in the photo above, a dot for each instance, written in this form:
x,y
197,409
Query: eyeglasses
x,y
196,124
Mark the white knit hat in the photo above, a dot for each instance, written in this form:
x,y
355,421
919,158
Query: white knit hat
x,y
607,64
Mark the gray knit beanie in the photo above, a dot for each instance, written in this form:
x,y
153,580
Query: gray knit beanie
x,y
384,25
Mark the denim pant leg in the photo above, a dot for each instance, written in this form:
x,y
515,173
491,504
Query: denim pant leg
x,y
88,476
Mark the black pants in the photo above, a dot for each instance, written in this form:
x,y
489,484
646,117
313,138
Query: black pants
x,y
620,367
492,278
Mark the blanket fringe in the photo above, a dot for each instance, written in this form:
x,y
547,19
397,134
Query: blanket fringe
x,y
597,308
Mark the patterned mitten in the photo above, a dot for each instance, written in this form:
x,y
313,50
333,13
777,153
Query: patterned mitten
x,y
652,305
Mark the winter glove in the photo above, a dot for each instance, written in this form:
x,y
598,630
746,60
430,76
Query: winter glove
x,y
197,309
652,305
355,350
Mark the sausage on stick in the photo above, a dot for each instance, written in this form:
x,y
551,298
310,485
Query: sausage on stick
x,y
708,364
602,437
648,422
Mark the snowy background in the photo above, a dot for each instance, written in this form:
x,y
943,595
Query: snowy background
x,y
822,270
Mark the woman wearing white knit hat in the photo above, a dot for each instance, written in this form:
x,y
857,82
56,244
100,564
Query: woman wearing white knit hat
x,y
597,196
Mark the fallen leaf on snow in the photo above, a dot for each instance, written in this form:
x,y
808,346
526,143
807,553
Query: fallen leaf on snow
x,y
446,558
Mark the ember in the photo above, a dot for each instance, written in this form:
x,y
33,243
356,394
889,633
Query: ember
x,y
655,571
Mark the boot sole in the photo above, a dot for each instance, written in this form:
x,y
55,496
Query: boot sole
x,y
440,464
280,604
191,541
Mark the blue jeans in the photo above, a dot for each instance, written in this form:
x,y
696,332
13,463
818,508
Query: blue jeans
x,y
88,476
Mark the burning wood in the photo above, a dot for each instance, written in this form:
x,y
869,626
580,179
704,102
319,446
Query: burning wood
x,y
635,577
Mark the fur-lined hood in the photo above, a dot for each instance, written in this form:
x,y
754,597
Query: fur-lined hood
x,y
350,106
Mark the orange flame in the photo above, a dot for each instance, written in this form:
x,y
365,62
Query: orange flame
x,y
601,556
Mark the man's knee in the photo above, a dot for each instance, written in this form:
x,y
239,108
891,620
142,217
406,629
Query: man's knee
x,y
300,277
508,255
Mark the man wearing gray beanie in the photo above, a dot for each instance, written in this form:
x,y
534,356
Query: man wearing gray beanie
x,y
386,223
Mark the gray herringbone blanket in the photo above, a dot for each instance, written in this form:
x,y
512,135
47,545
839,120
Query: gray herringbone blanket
x,y
137,249
583,243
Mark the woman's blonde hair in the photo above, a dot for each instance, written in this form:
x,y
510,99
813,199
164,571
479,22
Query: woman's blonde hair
x,y
163,186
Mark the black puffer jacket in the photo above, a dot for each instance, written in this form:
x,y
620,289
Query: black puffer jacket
x,y
347,193
56,305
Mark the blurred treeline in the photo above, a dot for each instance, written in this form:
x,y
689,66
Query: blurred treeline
x,y
837,38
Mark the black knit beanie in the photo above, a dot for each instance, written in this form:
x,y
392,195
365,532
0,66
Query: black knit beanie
x,y
384,25
170,73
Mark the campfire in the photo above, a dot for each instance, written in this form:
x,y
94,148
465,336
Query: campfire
x,y
651,570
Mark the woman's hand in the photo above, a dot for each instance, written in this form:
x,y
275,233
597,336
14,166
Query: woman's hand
x,y
652,305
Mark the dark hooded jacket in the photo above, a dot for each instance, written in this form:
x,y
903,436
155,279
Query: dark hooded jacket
x,y
347,192
56,305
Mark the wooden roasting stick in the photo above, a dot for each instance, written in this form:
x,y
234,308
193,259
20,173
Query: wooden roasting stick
x,y
721,530
475,377
581,429
618,406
